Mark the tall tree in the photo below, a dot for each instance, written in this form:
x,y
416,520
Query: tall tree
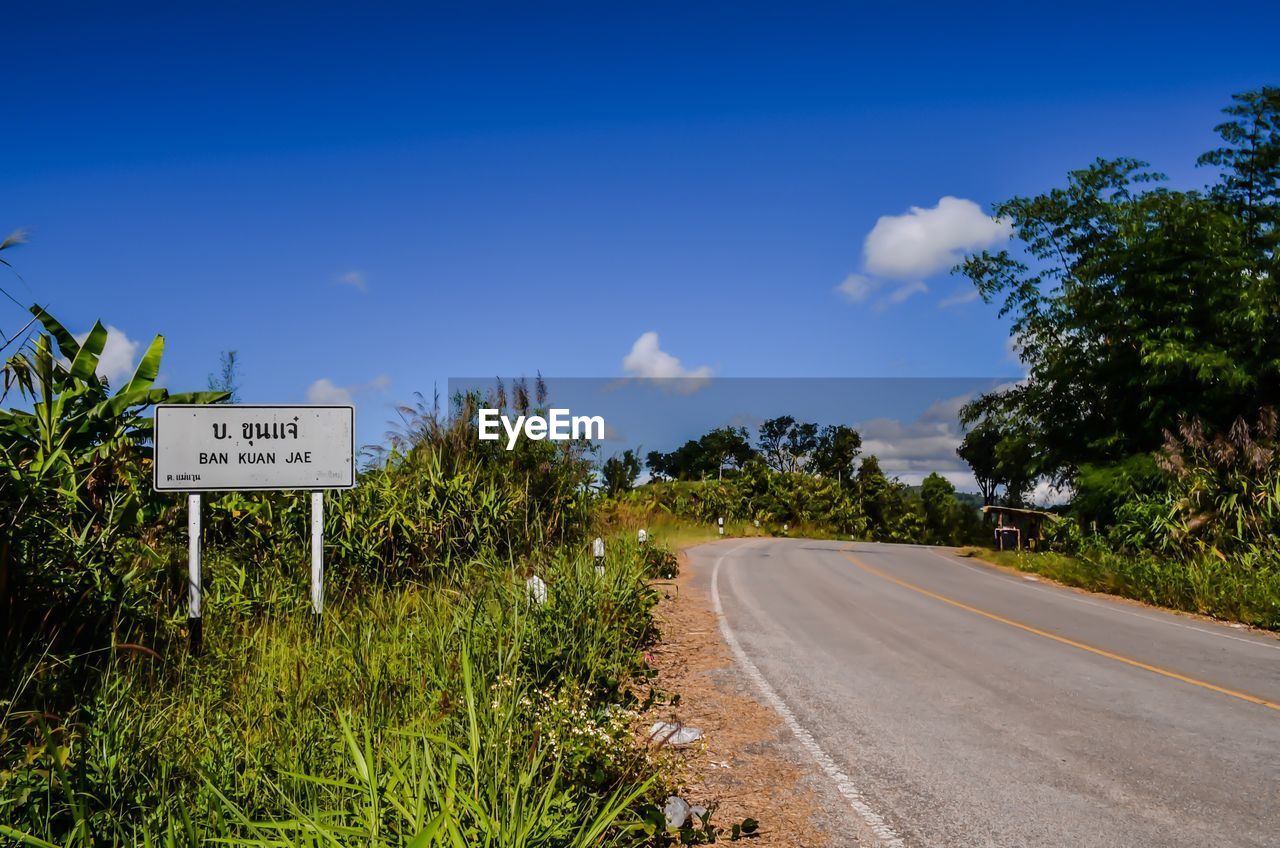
x,y
727,446
1134,305
941,510
835,452
620,472
1250,161
787,444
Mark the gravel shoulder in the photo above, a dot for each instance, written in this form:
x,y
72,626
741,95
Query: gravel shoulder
x,y
747,763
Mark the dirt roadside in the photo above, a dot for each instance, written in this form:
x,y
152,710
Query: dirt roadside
x,y
746,764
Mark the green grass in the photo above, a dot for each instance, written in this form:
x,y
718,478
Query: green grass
x,y
423,714
1245,588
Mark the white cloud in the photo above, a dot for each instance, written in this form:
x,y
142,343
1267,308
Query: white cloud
x,y
926,241
119,355
357,280
913,450
857,287
960,297
648,361
905,291
1045,494
324,391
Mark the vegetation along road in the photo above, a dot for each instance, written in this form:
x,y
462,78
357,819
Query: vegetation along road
x,y
961,705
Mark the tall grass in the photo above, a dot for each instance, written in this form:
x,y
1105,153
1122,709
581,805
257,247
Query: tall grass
x,y
420,714
1244,587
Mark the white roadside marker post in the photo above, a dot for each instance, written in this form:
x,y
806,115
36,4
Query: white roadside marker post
x,y
536,588
317,556
720,524
195,631
597,551
643,536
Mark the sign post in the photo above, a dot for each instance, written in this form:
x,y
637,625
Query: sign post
x,y
195,630
235,448
317,555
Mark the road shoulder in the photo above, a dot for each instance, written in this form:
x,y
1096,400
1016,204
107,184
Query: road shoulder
x,y
747,763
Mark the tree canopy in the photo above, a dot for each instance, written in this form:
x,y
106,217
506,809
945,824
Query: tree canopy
x,y
1134,306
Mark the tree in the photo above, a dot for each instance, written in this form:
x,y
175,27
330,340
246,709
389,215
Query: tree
x,y
727,446
978,448
78,451
1001,454
227,380
786,444
1135,305
941,510
1250,161
703,457
884,502
837,447
620,472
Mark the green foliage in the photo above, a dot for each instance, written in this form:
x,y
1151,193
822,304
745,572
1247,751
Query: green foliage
x,y
660,563
786,445
942,513
111,734
1220,495
77,516
870,505
835,451
1244,588
703,457
1136,306
620,472
418,711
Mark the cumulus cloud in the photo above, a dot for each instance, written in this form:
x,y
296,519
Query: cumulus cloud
x,y
647,360
926,241
119,355
357,280
907,248
912,450
325,392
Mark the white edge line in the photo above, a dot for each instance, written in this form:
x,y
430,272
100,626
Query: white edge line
x,y
1069,595
882,829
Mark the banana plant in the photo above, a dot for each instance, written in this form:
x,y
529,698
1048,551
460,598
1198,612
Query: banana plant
x,y
75,420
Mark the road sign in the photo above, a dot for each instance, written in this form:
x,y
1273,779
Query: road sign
x,y
212,448
217,448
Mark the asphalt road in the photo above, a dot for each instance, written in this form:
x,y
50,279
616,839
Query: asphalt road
x,y
966,706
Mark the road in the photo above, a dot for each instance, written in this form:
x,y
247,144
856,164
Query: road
x,y
960,705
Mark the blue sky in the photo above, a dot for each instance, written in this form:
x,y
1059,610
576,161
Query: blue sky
x,y
369,198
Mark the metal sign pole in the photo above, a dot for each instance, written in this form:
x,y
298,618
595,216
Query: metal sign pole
x,y
317,554
194,625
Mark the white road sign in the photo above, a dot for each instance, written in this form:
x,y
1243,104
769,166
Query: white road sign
x,y
211,447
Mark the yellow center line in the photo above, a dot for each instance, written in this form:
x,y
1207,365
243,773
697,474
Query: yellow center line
x,y
1172,675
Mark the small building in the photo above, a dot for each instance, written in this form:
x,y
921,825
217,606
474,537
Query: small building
x,y
1017,528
